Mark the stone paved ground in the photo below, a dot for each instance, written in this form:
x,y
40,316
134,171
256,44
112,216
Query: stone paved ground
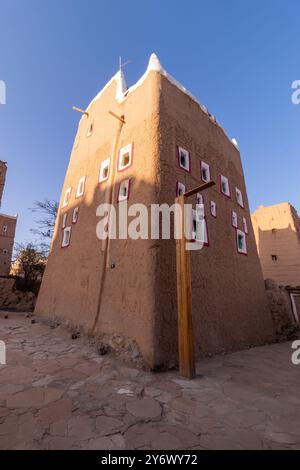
x,y
58,393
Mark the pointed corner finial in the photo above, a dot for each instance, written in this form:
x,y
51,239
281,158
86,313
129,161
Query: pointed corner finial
x,y
154,63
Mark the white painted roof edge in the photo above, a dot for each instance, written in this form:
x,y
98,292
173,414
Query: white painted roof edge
x,y
8,216
154,64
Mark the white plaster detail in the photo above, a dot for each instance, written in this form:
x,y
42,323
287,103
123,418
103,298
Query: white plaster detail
x,y
154,64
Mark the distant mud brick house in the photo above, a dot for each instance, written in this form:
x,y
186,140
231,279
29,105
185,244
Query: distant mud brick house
x,y
7,229
277,234
126,289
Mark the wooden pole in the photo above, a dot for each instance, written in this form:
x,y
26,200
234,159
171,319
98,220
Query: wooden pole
x,y
184,299
184,293
79,110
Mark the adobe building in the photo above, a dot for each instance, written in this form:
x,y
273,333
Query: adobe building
x,y
7,229
124,291
277,234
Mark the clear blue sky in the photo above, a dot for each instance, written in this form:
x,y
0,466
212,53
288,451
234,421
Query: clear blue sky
x,y
239,57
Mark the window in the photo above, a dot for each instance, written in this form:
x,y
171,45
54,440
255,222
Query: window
x,y
125,157
234,219
75,215
180,188
213,208
64,221
199,198
184,159
239,197
4,229
224,185
67,197
90,129
241,242
66,237
104,170
274,257
124,190
5,251
199,227
80,187
245,225
205,172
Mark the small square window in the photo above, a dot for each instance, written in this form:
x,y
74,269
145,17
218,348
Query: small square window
x,y
90,129
245,225
225,189
180,189
234,219
239,197
104,170
64,220
205,172
199,226
184,159
241,242
75,215
4,229
274,257
67,197
80,187
124,190
213,208
125,157
66,237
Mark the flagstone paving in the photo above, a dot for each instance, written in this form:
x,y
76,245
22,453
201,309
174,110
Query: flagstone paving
x,y
58,393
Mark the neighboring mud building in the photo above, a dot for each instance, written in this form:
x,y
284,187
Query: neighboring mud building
x,y
125,291
277,234
7,229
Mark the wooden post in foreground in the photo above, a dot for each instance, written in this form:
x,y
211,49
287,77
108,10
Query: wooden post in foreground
x,y
184,294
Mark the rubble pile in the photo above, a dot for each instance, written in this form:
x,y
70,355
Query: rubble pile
x,y
13,299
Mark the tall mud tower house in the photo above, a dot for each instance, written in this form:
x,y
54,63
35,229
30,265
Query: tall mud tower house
x,y
7,229
125,291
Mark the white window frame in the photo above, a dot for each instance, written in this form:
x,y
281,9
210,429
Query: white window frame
x,y
4,228
5,251
67,197
234,219
75,215
213,208
105,164
194,234
205,167
239,197
187,156
66,242
245,225
224,179
64,220
81,187
127,149
199,198
180,186
240,233
122,197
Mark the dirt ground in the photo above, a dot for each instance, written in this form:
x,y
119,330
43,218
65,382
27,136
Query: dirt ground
x,y
58,393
